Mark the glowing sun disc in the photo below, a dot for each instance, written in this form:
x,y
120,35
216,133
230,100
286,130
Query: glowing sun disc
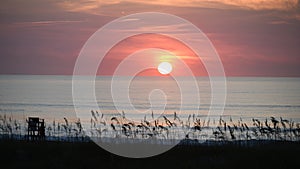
x,y
164,68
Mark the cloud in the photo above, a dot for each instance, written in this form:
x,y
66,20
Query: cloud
x,y
285,9
44,23
278,22
92,5
130,20
43,37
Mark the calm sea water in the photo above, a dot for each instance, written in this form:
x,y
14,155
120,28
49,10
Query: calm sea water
x,y
50,97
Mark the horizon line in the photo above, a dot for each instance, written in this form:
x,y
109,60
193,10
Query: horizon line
x,y
266,76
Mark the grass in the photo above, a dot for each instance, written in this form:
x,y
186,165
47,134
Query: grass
x,y
171,127
24,154
275,145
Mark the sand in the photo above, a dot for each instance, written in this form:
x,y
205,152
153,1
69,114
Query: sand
x,y
87,155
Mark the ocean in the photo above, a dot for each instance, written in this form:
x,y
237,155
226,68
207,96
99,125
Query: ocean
x,y
50,97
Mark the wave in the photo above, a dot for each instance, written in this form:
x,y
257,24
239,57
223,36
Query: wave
x,y
111,106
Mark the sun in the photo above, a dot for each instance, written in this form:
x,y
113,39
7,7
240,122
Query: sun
x,y
164,68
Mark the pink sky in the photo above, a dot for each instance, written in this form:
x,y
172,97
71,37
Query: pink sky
x,y
252,37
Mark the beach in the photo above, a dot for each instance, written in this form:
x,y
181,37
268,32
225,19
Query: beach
x,y
61,155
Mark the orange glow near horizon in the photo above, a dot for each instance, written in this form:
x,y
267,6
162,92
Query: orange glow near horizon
x,y
145,41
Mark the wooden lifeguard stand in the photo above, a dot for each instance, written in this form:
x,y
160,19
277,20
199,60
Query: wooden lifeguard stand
x,y
36,128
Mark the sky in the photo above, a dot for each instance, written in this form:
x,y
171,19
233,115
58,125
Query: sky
x,y
252,37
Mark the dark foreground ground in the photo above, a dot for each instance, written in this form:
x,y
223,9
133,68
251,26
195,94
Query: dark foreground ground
x,y
23,154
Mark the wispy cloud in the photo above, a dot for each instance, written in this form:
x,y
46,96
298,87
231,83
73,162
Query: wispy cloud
x,y
45,23
130,20
90,6
278,22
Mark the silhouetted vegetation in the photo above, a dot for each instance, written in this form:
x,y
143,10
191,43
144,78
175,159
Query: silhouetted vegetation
x,y
269,143
163,128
